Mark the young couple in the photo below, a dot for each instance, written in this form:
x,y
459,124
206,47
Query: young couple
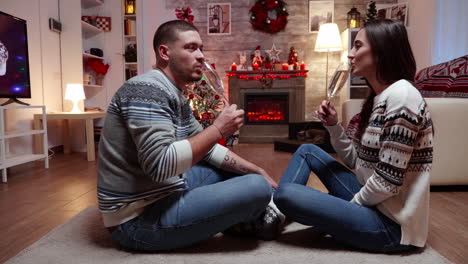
x,y
164,183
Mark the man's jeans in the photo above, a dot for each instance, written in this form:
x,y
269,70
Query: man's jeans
x,y
213,202
359,226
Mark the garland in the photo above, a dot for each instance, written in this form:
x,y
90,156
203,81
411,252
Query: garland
x,y
261,21
268,75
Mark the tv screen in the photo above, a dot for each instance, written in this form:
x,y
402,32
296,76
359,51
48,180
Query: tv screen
x,y
14,61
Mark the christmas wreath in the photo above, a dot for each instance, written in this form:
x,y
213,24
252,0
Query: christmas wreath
x,y
261,20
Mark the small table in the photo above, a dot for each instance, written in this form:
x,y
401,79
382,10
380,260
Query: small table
x,y
66,116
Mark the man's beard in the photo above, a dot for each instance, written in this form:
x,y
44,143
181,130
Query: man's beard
x,y
183,76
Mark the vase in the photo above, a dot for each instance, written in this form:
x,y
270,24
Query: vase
x,y
99,78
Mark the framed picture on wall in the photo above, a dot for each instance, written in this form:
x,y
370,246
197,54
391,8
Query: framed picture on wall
x,y
395,12
219,18
320,12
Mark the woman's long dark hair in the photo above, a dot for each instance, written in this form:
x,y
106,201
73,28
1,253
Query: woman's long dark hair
x,y
393,56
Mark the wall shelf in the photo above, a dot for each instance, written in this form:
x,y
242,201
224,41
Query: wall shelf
x,y
92,37
130,40
89,30
91,3
91,56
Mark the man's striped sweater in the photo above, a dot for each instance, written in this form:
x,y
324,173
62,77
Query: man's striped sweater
x,y
393,159
144,151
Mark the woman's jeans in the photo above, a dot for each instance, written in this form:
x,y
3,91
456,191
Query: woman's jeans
x,y
213,202
359,226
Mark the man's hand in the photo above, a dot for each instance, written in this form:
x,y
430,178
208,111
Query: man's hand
x,y
327,114
230,120
234,163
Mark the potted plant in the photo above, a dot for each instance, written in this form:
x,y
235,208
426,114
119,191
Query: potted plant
x,y
131,53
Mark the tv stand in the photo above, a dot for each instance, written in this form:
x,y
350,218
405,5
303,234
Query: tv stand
x,y
8,159
14,100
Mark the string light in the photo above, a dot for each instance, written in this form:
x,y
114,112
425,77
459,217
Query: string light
x,y
267,75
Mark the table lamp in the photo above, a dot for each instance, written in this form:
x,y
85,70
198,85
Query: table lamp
x,y
328,39
75,93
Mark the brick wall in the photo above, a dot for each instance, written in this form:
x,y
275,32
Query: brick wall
x,y
224,49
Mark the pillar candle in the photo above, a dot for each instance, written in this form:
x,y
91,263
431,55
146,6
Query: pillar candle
x,y
285,66
302,66
255,67
233,66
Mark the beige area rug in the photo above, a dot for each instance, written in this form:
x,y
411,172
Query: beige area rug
x,y
84,240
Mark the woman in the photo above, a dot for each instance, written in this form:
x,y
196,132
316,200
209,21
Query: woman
x,y
384,205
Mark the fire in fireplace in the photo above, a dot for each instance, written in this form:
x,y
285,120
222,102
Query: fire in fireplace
x,y
266,108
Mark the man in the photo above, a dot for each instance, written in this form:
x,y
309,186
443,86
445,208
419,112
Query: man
x,y
160,183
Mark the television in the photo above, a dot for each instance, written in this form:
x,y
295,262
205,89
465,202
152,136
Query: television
x,y
14,61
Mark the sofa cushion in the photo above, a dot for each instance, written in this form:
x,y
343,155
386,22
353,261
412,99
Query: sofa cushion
x,y
448,79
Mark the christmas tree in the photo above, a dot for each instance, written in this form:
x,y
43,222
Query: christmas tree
x,y
205,102
292,59
371,11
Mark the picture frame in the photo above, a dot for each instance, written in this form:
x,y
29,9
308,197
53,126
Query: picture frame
x,y
394,11
320,12
219,19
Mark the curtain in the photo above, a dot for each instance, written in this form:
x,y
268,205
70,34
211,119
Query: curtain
x,y
451,33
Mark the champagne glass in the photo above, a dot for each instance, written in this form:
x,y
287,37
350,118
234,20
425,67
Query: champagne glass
x,y
212,79
338,81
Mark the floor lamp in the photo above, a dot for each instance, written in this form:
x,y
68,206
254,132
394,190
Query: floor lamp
x,y
328,39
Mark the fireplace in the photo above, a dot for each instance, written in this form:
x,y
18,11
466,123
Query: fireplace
x,y
265,109
271,100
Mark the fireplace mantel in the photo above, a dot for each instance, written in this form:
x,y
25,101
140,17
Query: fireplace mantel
x,y
242,83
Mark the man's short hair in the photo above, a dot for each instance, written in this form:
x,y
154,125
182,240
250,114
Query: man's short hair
x,y
168,32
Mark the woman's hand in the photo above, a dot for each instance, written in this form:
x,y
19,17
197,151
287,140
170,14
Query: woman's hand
x,y
327,114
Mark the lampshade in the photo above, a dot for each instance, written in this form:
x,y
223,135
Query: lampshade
x,y
328,38
74,93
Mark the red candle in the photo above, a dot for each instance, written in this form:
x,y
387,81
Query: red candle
x,y
302,66
285,66
233,66
255,67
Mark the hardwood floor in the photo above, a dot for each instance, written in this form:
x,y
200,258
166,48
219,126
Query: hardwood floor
x,y
36,200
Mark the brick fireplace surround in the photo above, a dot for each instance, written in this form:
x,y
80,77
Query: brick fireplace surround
x,y
291,84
